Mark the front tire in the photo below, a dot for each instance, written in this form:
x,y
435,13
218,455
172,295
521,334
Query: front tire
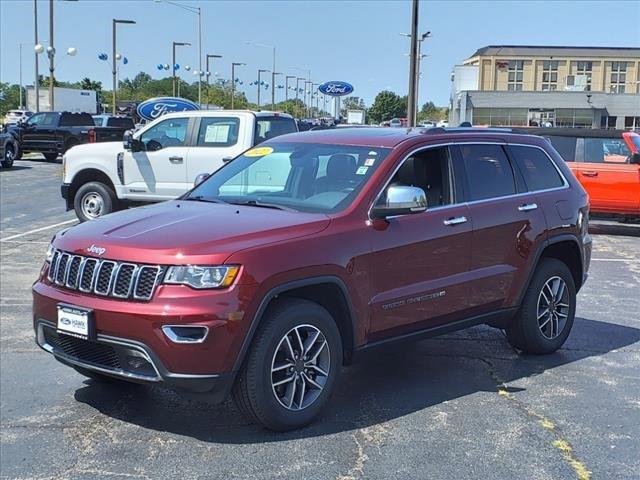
x,y
291,368
50,157
546,315
94,200
9,155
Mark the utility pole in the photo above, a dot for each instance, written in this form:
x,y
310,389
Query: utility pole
x,y
36,85
20,68
260,70
273,86
173,65
114,69
286,86
233,81
411,109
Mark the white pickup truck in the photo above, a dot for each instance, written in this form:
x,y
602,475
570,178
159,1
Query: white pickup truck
x,y
161,160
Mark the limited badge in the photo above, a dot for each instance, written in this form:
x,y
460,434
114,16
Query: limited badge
x,y
258,152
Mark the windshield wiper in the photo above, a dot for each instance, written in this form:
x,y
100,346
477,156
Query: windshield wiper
x,y
256,203
202,198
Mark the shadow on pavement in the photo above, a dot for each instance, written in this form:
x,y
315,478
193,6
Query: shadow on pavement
x,y
614,228
14,168
384,385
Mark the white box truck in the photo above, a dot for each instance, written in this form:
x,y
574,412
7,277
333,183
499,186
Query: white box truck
x,y
64,100
355,117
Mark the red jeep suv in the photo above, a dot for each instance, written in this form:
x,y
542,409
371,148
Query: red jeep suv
x,y
280,267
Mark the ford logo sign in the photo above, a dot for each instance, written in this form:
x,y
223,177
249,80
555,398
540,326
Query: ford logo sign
x,y
156,107
336,89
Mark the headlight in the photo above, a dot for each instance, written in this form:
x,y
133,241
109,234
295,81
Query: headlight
x,y
197,276
50,251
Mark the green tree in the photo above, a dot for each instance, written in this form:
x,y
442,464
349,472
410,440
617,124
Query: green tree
x,y
292,106
9,98
388,105
87,84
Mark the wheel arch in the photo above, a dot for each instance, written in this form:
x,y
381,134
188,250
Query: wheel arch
x,y
565,248
328,291
88,175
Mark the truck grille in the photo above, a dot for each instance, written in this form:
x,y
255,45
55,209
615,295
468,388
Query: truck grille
x,y
103,277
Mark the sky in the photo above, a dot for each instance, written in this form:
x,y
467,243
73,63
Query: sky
x,y
354,41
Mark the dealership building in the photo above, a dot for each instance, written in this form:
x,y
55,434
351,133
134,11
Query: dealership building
x,y
583,87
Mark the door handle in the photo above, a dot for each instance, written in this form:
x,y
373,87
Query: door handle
x,y
525,207
176,159
455,221
590,173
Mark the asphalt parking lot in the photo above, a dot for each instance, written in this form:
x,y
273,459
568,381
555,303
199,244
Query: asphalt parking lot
x,y
461,406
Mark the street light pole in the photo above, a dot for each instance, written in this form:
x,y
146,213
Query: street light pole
x,y
173,65
36,84
20,68
286,86
114,69
260,70
273,86
233,81
208,73
422,38
51,51
411,110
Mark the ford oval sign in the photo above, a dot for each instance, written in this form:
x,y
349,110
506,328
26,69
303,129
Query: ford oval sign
x,y
156,107
336,89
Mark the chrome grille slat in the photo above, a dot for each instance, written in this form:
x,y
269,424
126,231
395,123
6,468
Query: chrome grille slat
x,y
107,278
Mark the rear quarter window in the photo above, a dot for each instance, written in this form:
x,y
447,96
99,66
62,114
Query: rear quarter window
x,y
271,127
120,122
537,168
566,147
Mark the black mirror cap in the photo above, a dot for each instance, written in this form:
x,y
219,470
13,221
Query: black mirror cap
x,y
635,158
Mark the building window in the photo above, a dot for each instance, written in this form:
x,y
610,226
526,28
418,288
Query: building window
x,y
516,75
549,75
514,117
585,68
618,76
574,118
632,123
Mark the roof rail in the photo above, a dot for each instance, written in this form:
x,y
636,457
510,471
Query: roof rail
x,y
440,130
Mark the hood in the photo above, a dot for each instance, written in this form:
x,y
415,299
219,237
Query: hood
x,y
93,148
183,232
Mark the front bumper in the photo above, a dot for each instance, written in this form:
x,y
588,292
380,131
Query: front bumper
x,y
65,191
128,360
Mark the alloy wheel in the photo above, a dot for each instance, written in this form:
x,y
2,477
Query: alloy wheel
x,y
300,367
553,307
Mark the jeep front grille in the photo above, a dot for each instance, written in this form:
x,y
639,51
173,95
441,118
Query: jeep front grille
x,y
103,277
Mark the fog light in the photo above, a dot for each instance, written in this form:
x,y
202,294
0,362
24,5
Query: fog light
x,y
185,334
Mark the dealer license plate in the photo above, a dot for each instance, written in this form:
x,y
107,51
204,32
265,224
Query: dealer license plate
x,y
75,321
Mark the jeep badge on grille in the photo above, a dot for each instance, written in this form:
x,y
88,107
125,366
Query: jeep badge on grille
x,y
96,250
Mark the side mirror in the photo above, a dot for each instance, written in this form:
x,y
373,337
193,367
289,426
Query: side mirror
x,y
201,177
226,160
401,200
635,158
130,143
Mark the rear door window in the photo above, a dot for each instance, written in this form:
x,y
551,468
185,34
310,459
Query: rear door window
x,y
271,127
488,171
606,150
566,147
537,168
218,132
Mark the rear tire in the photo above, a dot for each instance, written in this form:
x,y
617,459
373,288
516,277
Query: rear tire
x,y
9,156
546,315
50,157
282,393
94,200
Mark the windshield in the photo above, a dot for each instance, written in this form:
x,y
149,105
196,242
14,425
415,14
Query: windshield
x,y
298,176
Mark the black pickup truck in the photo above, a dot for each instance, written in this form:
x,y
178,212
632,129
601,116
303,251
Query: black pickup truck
x,y
53,133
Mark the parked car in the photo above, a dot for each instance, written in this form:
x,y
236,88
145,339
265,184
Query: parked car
x,y
395,122
113,121
311,248
53,133
161,160
8,149
607,164
16,116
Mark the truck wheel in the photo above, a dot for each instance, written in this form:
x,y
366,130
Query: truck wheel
x,y
546,315
93,200
291,367
50,157
9,155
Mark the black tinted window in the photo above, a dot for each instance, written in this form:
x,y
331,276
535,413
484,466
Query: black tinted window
x,y
609,150
536,168
566,147
120,122
271,127
76,120
489,172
